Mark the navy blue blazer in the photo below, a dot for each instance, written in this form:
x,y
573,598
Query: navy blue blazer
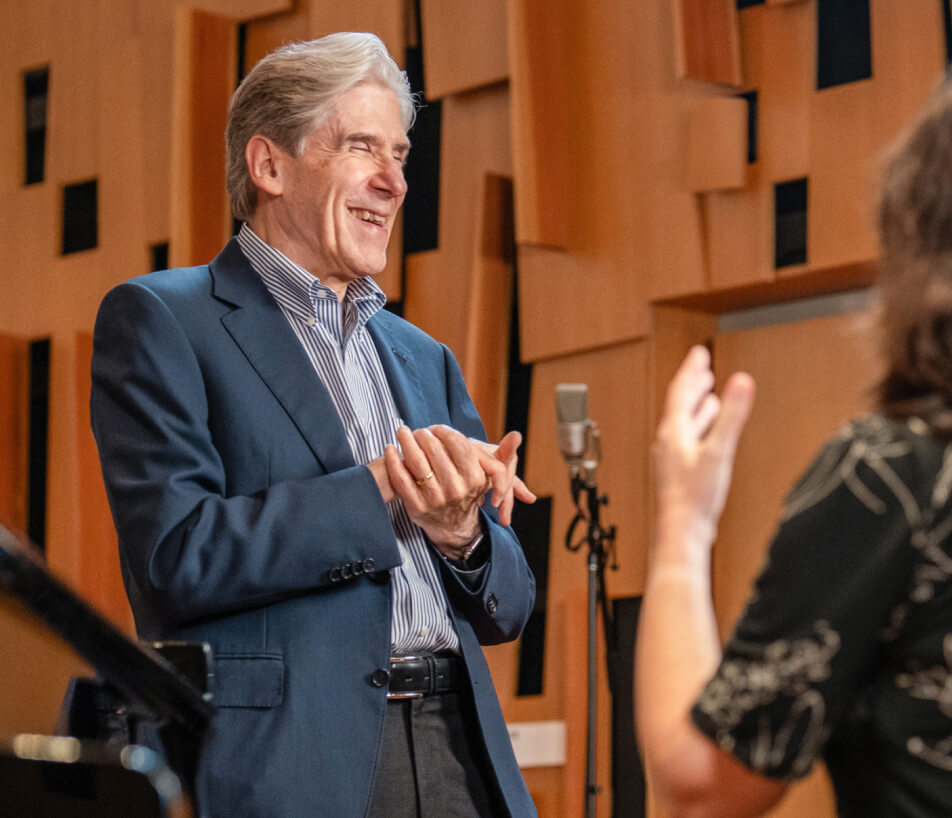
x,y
236,496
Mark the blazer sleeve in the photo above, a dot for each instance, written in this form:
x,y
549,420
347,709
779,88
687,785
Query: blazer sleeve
x,y
190,545
499,607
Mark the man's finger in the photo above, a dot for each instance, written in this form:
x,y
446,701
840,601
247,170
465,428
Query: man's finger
x,y
508,446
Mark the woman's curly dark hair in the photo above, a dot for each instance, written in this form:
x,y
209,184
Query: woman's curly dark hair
x,y
915,276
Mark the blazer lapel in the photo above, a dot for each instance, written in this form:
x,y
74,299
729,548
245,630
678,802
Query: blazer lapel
x,y
260,329
405,385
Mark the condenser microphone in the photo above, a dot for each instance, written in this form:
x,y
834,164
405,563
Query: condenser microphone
x,y
571,410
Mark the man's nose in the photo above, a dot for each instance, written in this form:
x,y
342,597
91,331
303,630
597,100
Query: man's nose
x,y
391,180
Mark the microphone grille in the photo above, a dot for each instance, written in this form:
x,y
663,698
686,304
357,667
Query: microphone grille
x,y
571,402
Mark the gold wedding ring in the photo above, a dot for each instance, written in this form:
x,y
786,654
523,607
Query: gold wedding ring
x,y
425,477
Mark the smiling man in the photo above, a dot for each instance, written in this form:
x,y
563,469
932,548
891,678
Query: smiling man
x,y
297,477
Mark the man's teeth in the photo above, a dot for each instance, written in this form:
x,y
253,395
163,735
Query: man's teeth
x,y
367,216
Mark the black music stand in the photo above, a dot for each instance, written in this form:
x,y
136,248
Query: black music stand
x,y
150,691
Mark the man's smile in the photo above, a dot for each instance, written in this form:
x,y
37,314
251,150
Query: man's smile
x,y
368,216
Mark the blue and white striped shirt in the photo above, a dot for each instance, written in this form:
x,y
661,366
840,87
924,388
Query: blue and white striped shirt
x,y
334,336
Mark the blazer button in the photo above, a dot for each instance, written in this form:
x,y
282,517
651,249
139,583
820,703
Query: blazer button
x,y
380,677
346,571
492,603
357,567
368,565
334,574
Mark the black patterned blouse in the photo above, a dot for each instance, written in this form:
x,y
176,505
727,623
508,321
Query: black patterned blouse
x,y
845,650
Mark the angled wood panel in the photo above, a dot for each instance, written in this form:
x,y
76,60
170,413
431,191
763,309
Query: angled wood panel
x,y
388,19
490,303
72,125
543,60
845,139
717,145
739,225
706,42
204,79
242,9
464,45
779,53
14,431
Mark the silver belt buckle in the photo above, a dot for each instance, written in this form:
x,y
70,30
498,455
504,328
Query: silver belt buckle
x,y
408,694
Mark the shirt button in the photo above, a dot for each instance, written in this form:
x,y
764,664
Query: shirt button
x,y
310,321
424,631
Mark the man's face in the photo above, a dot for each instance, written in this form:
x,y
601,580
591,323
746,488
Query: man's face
x,y
341,195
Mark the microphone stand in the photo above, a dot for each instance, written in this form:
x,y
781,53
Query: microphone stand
x,y
601,544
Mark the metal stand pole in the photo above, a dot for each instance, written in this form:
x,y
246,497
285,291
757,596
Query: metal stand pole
x,y
591,788
600,542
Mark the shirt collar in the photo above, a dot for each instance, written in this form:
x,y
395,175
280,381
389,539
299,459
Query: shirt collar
x,y
296,289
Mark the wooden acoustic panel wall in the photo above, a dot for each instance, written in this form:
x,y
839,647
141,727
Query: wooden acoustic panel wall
x,y
851,125
475,143
613,173
464,45
98,550
36,666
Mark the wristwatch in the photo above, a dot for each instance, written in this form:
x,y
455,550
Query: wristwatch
x,y
471,547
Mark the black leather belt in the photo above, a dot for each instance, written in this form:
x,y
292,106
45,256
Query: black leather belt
x,y
412,677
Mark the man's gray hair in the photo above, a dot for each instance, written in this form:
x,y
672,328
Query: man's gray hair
x,y
287,94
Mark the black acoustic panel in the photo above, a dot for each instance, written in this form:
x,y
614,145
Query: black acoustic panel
x,y
36,86
532,525
844,46
396,307
519,380
38,448
421,209
628,775
751,99
80,217
241,52
947,28
790,223
160,256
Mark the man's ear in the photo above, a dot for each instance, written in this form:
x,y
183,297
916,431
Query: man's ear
x,y
264,160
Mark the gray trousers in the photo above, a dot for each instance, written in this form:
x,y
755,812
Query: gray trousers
x,y
432,763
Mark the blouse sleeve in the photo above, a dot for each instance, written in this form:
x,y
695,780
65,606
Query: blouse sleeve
x,y
838,567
